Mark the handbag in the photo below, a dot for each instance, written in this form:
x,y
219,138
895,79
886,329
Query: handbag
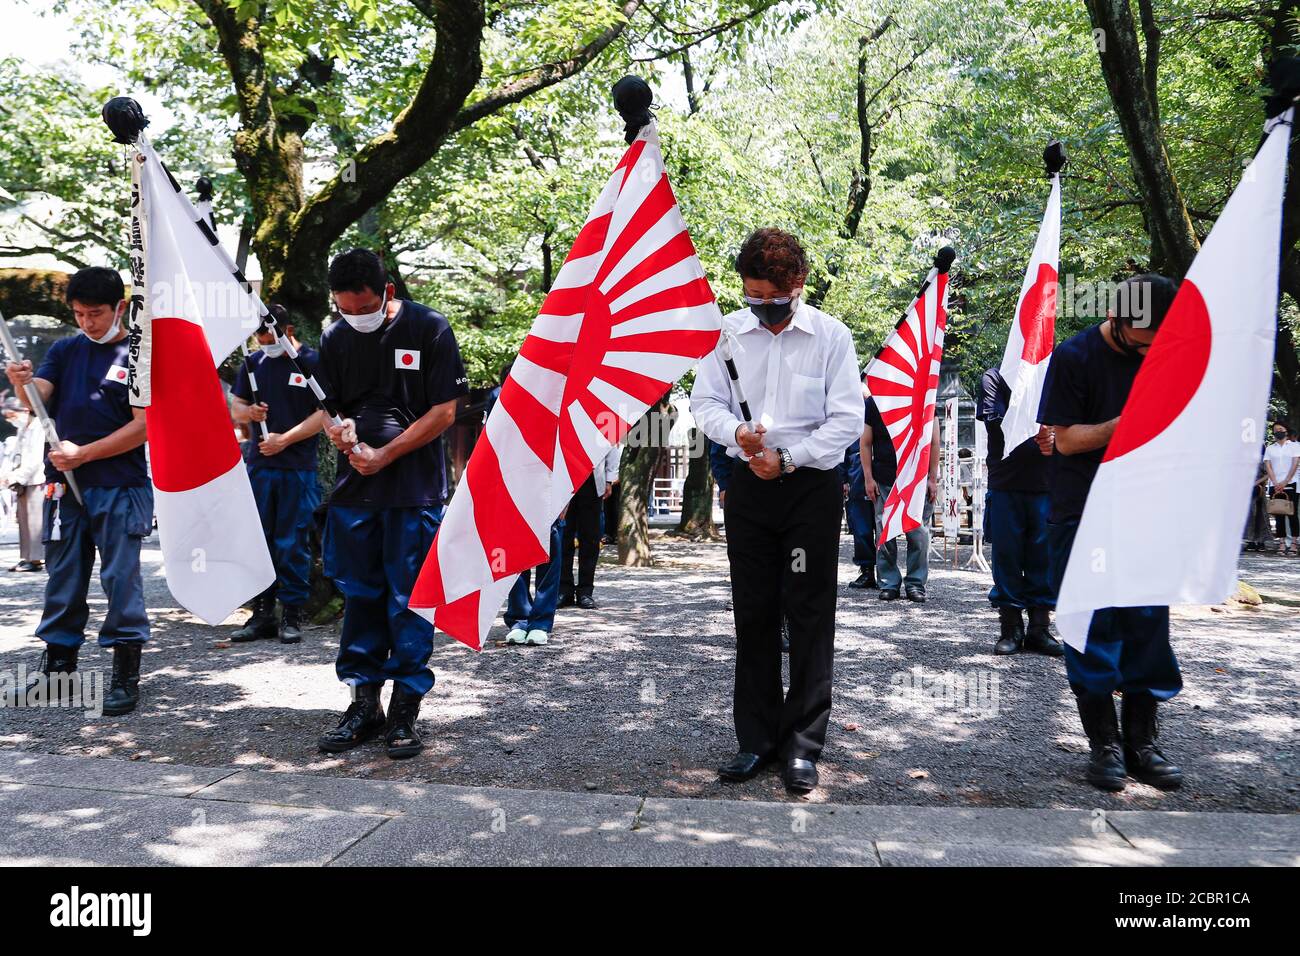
x,y
1281,504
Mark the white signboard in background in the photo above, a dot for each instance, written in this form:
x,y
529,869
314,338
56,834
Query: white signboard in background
x,y
951,473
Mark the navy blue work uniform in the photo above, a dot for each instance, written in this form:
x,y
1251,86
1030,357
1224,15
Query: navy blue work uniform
x,y
859,510
1128,647
90,402
380,527
1015,508
285,484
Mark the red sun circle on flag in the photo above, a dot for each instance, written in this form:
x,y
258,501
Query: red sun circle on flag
x,y
1038,315
1170,374
406,359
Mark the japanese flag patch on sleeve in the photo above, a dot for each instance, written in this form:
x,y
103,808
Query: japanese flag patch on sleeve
x,y
407,358
116,373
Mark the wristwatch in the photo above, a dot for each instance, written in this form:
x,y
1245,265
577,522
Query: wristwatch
x,y
787,460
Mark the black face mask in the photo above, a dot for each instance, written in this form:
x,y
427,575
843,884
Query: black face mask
x,y
1279,437
769,313
1117,333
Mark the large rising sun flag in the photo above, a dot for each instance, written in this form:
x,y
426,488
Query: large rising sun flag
x,y
903,378
629,313
1033,332
189,312
1191,429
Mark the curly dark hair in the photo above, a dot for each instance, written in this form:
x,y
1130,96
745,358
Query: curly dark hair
x,y
774,256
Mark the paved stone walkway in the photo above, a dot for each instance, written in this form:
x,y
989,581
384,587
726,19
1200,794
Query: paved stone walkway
x,y
89,811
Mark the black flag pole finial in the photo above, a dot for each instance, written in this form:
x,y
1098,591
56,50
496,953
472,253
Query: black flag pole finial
x,y
124,117
944,258
632,99
1054,157
203,188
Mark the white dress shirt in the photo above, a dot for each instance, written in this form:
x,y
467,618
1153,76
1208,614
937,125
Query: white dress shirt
x,y
1281,455
802,385
606,472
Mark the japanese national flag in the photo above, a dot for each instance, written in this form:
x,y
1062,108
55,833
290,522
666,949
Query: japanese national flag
x,y
298,379
1033,333
118,373
1191,429
407,358
214,551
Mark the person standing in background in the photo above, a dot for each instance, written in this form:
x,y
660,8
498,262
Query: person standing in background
x,y
1015,519
25,476
860,514
1282,462
583,523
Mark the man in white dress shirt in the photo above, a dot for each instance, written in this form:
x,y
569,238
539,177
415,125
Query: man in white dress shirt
x,y
582,522
784,505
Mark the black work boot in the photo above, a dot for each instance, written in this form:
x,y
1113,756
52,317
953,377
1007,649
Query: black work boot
x,y
1106,766
400,735
1012,637
262,624
124,692
1038,638
290,624
362,720
1143,758
52,681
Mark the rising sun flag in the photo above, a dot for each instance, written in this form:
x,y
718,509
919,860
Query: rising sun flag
x,y
629,313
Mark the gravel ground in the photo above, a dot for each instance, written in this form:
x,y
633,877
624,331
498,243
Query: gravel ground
x,y
635,698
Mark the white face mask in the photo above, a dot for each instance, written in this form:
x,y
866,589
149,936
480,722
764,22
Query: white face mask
x,y
274,350
368,322
108,336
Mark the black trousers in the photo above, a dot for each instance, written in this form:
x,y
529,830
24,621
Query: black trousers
x,y
783,543
583,522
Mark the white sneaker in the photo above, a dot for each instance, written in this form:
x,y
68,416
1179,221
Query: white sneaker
x,y
517,636
538,637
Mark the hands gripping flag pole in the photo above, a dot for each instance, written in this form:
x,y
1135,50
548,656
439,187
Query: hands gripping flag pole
x,y
37,405
903,378
1033,330
189,310
1191,429
629,313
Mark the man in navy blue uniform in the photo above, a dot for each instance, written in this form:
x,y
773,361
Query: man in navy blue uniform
x,y
83,383
1128,649
1015,523
282,471
860,515
393,370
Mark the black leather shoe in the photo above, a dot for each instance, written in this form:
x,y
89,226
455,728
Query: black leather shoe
x,y
262,624
1038,638
889,594
744,766
800,775
124,692
566,600
586,602
290,624
1106,761
362,720
1142,757
1012,631
916,594
400,736
864,581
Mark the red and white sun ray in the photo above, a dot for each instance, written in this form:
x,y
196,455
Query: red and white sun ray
x,y
903,378
629,313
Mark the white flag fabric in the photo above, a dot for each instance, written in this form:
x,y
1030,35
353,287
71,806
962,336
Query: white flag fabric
x,y
1033,333
214,553
1191,429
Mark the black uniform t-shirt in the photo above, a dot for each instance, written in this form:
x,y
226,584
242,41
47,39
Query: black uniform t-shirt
x,y
1087,384
288,401
385,380
1025,469
884,460
90,402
